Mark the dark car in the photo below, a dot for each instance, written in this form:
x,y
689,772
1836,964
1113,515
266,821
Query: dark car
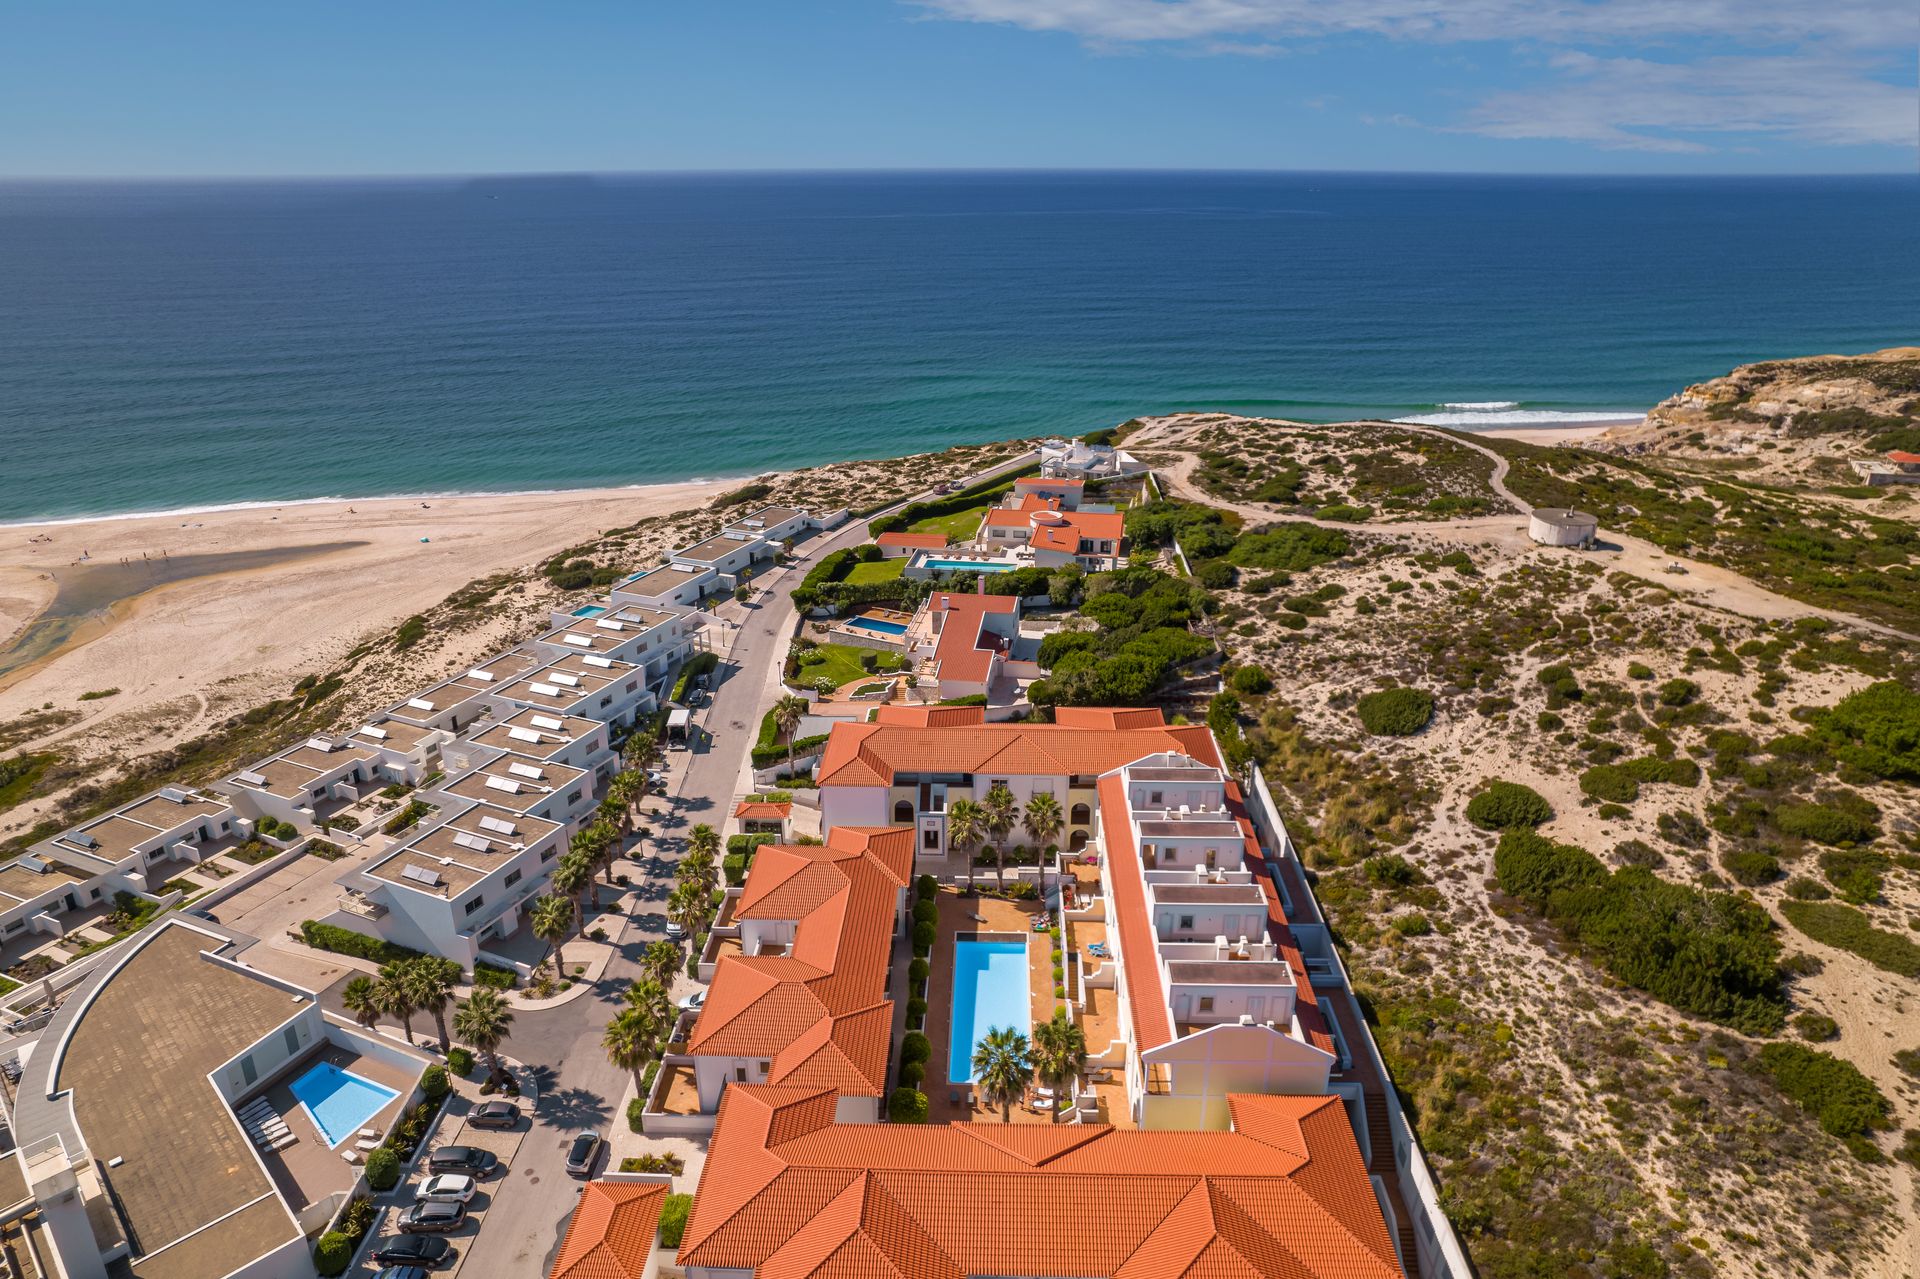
x,y
426,1252
402,1272
471,1160
433,1218
581,1154
494,1114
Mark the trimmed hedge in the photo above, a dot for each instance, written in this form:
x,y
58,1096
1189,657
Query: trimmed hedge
x,y
907,1106
344,941
333,1254
485,974
674,1211
383,1168
767,756
1504,804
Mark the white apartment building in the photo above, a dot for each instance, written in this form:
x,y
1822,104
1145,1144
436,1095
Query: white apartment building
x,y
307,783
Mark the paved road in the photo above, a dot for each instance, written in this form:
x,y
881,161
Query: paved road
x,y
578,1088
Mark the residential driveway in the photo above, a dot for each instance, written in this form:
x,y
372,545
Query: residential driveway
x,y
452,1131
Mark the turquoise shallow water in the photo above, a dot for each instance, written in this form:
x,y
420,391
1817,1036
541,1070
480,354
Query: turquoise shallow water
x,y
166,345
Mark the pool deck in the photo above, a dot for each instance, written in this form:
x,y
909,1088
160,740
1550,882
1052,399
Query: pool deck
x,y
309,1170
978,915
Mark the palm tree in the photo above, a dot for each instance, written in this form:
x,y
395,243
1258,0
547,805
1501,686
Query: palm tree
x,y
966,821
430,982
687,907
629,1042
395,999
641,751
697,867
787,713
572,876
1059,1054
1002,1068
552,923
590,845
660,961
361,995
1001,813
482,1022
1043,819
651,998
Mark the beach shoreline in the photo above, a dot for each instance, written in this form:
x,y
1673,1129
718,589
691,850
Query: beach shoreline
x,y
319,577
1549,434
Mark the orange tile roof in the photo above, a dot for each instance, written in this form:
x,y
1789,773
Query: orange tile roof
x,y
871,754
612,1231
966,649
1903,457
789,1194
761,810
1109,717
915,541
819,1013
930,716
1139,954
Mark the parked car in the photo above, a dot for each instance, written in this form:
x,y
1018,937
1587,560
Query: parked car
x,y
657,778
418,1252
675,929
494,1114
472,1160
694,1003
432,1218
582,1153
447,1187
402,1272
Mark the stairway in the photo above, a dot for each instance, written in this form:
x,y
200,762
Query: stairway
x,y
1379,1137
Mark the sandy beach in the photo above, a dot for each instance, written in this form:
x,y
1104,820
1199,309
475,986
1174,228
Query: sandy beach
x,y
1557,434
263,595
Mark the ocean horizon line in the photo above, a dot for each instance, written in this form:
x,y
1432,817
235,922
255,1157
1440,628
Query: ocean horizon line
x,y
963,170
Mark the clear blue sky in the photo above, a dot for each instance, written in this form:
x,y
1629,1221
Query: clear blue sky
x,y
202,87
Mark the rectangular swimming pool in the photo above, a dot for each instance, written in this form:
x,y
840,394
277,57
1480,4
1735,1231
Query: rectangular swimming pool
x,y
589,610
877,626
989,993
967,566
338,1101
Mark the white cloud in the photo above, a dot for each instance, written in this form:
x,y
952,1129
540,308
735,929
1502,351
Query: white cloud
x,y
1790,69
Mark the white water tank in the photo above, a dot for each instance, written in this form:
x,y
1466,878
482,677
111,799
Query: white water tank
x,y
1559,526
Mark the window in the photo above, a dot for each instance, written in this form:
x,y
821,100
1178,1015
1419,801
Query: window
x,y
1206,1003
765,1066
1186,924
249,1071
512,879
574,798
547,854
930,838
474,905
607,700
903,810
293,1040
1080,816
740,1074
633,685
1153,798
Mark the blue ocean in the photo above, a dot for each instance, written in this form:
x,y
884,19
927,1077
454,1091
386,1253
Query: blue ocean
x,y
170,345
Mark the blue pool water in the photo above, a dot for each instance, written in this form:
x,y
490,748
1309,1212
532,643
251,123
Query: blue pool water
x,y
989,992
879,627
966,566
338,1101
589,610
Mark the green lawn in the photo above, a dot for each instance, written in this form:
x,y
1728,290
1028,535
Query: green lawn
x,y
842,664
959,527
876,571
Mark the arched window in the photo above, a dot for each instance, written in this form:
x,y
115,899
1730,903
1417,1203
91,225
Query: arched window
x,y
1078,842
903,812
1082,815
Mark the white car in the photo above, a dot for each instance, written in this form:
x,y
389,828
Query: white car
x,y
447,1188
694,1003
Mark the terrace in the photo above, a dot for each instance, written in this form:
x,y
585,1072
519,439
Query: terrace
x,y
309,1170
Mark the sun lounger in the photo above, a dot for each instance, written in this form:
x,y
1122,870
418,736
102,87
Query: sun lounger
x,y
351,1156
282,1142
367,1143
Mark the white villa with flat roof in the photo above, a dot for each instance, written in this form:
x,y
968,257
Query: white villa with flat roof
x,y
306,783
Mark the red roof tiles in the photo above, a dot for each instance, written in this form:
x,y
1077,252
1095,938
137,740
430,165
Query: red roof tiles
x,y
871,754
759,810
611,1234
913,541
789,1194
930,716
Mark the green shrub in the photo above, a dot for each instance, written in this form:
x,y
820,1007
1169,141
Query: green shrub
x,y
1503,804
926,888
912,1072
433,1082
1845,928
636,1113
1252,680
344,941
333,1254
1682,828
1609,782
917,973
915,1046
734,868
1678,692
1532,867
1854,873
1392,871
1676,771
746,845
1816,1027
383,1168
1877,730
923,935
674,1210
1807,889
1289,547
1846,1102
907,1106
1413,925
485,974
1639,670
916,1010
1750,867
1828,823
1637,852
1395,712
926,912
460,1061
